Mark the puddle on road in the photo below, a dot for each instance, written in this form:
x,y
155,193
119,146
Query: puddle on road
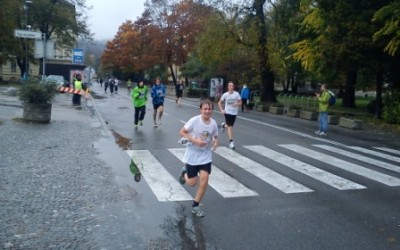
x,y
121,141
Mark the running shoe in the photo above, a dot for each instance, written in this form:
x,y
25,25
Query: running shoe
x,y
223,126
141,123
231,145
182,175
323,134
318,132
198,211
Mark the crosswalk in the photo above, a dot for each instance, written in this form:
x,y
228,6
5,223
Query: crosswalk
x,y
378,164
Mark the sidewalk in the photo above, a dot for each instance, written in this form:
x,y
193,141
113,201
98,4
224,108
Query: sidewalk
x,y
50,178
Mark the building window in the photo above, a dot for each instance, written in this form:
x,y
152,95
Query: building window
x,y
13,67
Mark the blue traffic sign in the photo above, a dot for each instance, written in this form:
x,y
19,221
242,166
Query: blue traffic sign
x,y
77,56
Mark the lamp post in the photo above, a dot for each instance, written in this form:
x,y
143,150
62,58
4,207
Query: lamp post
x,y
27,27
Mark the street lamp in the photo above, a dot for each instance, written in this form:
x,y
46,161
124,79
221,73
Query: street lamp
x,y
27,27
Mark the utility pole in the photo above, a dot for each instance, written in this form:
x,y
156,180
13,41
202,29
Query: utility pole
x,y
27,27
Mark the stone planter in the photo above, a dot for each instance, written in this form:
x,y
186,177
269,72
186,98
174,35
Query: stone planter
x,y
40,113
293,112
333,119
350,123
308,115
262,108
276,110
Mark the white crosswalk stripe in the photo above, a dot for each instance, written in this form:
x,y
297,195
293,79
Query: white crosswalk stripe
x,y
167,187
348,166
362,158
273,178
379,154
161,182
224,184
316,173
389,150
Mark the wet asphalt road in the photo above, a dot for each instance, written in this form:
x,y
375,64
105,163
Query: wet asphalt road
x,y
67,185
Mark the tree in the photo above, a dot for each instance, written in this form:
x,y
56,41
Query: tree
x,y
9,14
60,20
389,32
338,41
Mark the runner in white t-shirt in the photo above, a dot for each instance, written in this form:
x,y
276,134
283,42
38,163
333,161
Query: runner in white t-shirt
x,y
202,133
231,101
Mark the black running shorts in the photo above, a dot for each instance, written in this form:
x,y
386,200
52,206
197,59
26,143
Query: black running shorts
x,y
193,170
230,120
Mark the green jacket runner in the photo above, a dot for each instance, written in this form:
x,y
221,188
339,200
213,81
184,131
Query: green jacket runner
x,y
139,96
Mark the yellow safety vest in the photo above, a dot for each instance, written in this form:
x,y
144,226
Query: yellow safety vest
x,y
78,85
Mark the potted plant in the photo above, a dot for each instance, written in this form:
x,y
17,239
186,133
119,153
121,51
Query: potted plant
x,y
294,110
36,99
276,108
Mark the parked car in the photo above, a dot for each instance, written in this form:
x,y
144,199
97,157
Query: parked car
x,y
57,79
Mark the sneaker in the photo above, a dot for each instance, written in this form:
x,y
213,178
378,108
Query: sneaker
x,y
136,126
198,211
231,145
318,132
323,134
182,175
141,123
155,125
223,126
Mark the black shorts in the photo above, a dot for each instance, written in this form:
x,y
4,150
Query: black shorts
x,y
156,106
193,170
179,94
230,120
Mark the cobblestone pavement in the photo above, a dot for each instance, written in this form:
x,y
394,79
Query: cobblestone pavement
x,y
51,186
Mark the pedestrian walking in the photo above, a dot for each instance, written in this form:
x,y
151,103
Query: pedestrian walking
x,y
129,86
158,93
201,131
323,105
77,85
139,99
179,92
111,83
229,105
245,95
106,85
116,83
101,82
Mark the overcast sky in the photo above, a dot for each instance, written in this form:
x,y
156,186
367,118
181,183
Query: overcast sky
x,y
106,16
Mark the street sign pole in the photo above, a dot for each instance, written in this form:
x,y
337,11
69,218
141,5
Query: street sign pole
x,y
44,57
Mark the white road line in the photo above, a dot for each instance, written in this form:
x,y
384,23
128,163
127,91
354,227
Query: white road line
x,y
362,158
353,168
379,154
316,173
389,150
225,185
273,178
161,182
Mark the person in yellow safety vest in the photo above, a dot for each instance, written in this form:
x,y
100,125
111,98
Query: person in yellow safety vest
x,y
76,98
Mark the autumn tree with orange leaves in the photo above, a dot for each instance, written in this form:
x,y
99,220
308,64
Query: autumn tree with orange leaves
x,y
164,35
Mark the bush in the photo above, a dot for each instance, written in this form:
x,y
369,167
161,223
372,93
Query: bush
x,y
38,93
197,93
391,111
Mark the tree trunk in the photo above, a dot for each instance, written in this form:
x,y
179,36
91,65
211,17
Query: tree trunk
x,y
378,97
349,92
172,74
267,75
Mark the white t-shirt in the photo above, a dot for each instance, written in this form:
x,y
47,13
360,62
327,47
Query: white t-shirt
x,y
230,99
195,155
